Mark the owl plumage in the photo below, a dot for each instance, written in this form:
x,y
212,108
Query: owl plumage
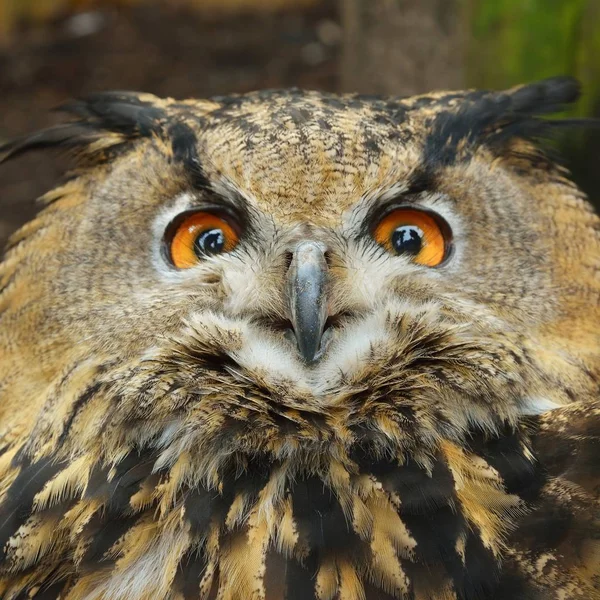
x,y
307,412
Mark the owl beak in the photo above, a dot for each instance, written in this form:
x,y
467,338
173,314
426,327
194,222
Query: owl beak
x,y
307,277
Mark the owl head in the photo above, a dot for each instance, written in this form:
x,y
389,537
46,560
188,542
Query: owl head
x,y
232,306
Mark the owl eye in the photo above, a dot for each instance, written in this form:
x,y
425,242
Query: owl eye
x,y
414,233
198,236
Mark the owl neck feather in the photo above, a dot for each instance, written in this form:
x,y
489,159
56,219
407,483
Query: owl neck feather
x,y
344,522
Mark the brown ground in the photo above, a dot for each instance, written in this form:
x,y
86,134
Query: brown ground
x,y
154,49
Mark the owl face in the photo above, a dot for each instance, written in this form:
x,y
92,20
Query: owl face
x,y
306,251
234,305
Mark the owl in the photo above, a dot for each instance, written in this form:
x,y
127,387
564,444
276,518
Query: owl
x,y
291,345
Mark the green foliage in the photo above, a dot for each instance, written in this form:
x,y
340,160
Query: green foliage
x,y
516,41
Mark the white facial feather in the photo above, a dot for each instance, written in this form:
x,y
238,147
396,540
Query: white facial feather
x,y
537,405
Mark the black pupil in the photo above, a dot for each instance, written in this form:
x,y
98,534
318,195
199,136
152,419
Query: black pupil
x,y
209,242
407,239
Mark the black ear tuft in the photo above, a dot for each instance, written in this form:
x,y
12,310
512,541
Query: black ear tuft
x,y
126,114
61,136
492,119
120,112
546,96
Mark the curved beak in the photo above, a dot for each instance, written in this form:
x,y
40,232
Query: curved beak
x,y
307,283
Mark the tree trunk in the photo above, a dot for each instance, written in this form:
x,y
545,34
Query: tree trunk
x,y
402,47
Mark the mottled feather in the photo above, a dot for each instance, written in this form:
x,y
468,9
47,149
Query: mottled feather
x,y
161,438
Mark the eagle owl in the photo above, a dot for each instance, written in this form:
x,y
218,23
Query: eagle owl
x,y
291,345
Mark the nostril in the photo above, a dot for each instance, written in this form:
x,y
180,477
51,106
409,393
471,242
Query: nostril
x,y
287,258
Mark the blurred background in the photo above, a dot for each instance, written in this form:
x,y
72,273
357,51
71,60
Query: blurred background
x,y
52,50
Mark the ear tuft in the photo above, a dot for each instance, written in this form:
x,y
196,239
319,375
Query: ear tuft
x,y
112,117
493,119
128,113
546,96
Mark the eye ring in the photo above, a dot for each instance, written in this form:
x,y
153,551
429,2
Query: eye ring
x,y
413,231
196,235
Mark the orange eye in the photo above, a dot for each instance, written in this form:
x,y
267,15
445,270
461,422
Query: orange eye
x,y
414,233
200,235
